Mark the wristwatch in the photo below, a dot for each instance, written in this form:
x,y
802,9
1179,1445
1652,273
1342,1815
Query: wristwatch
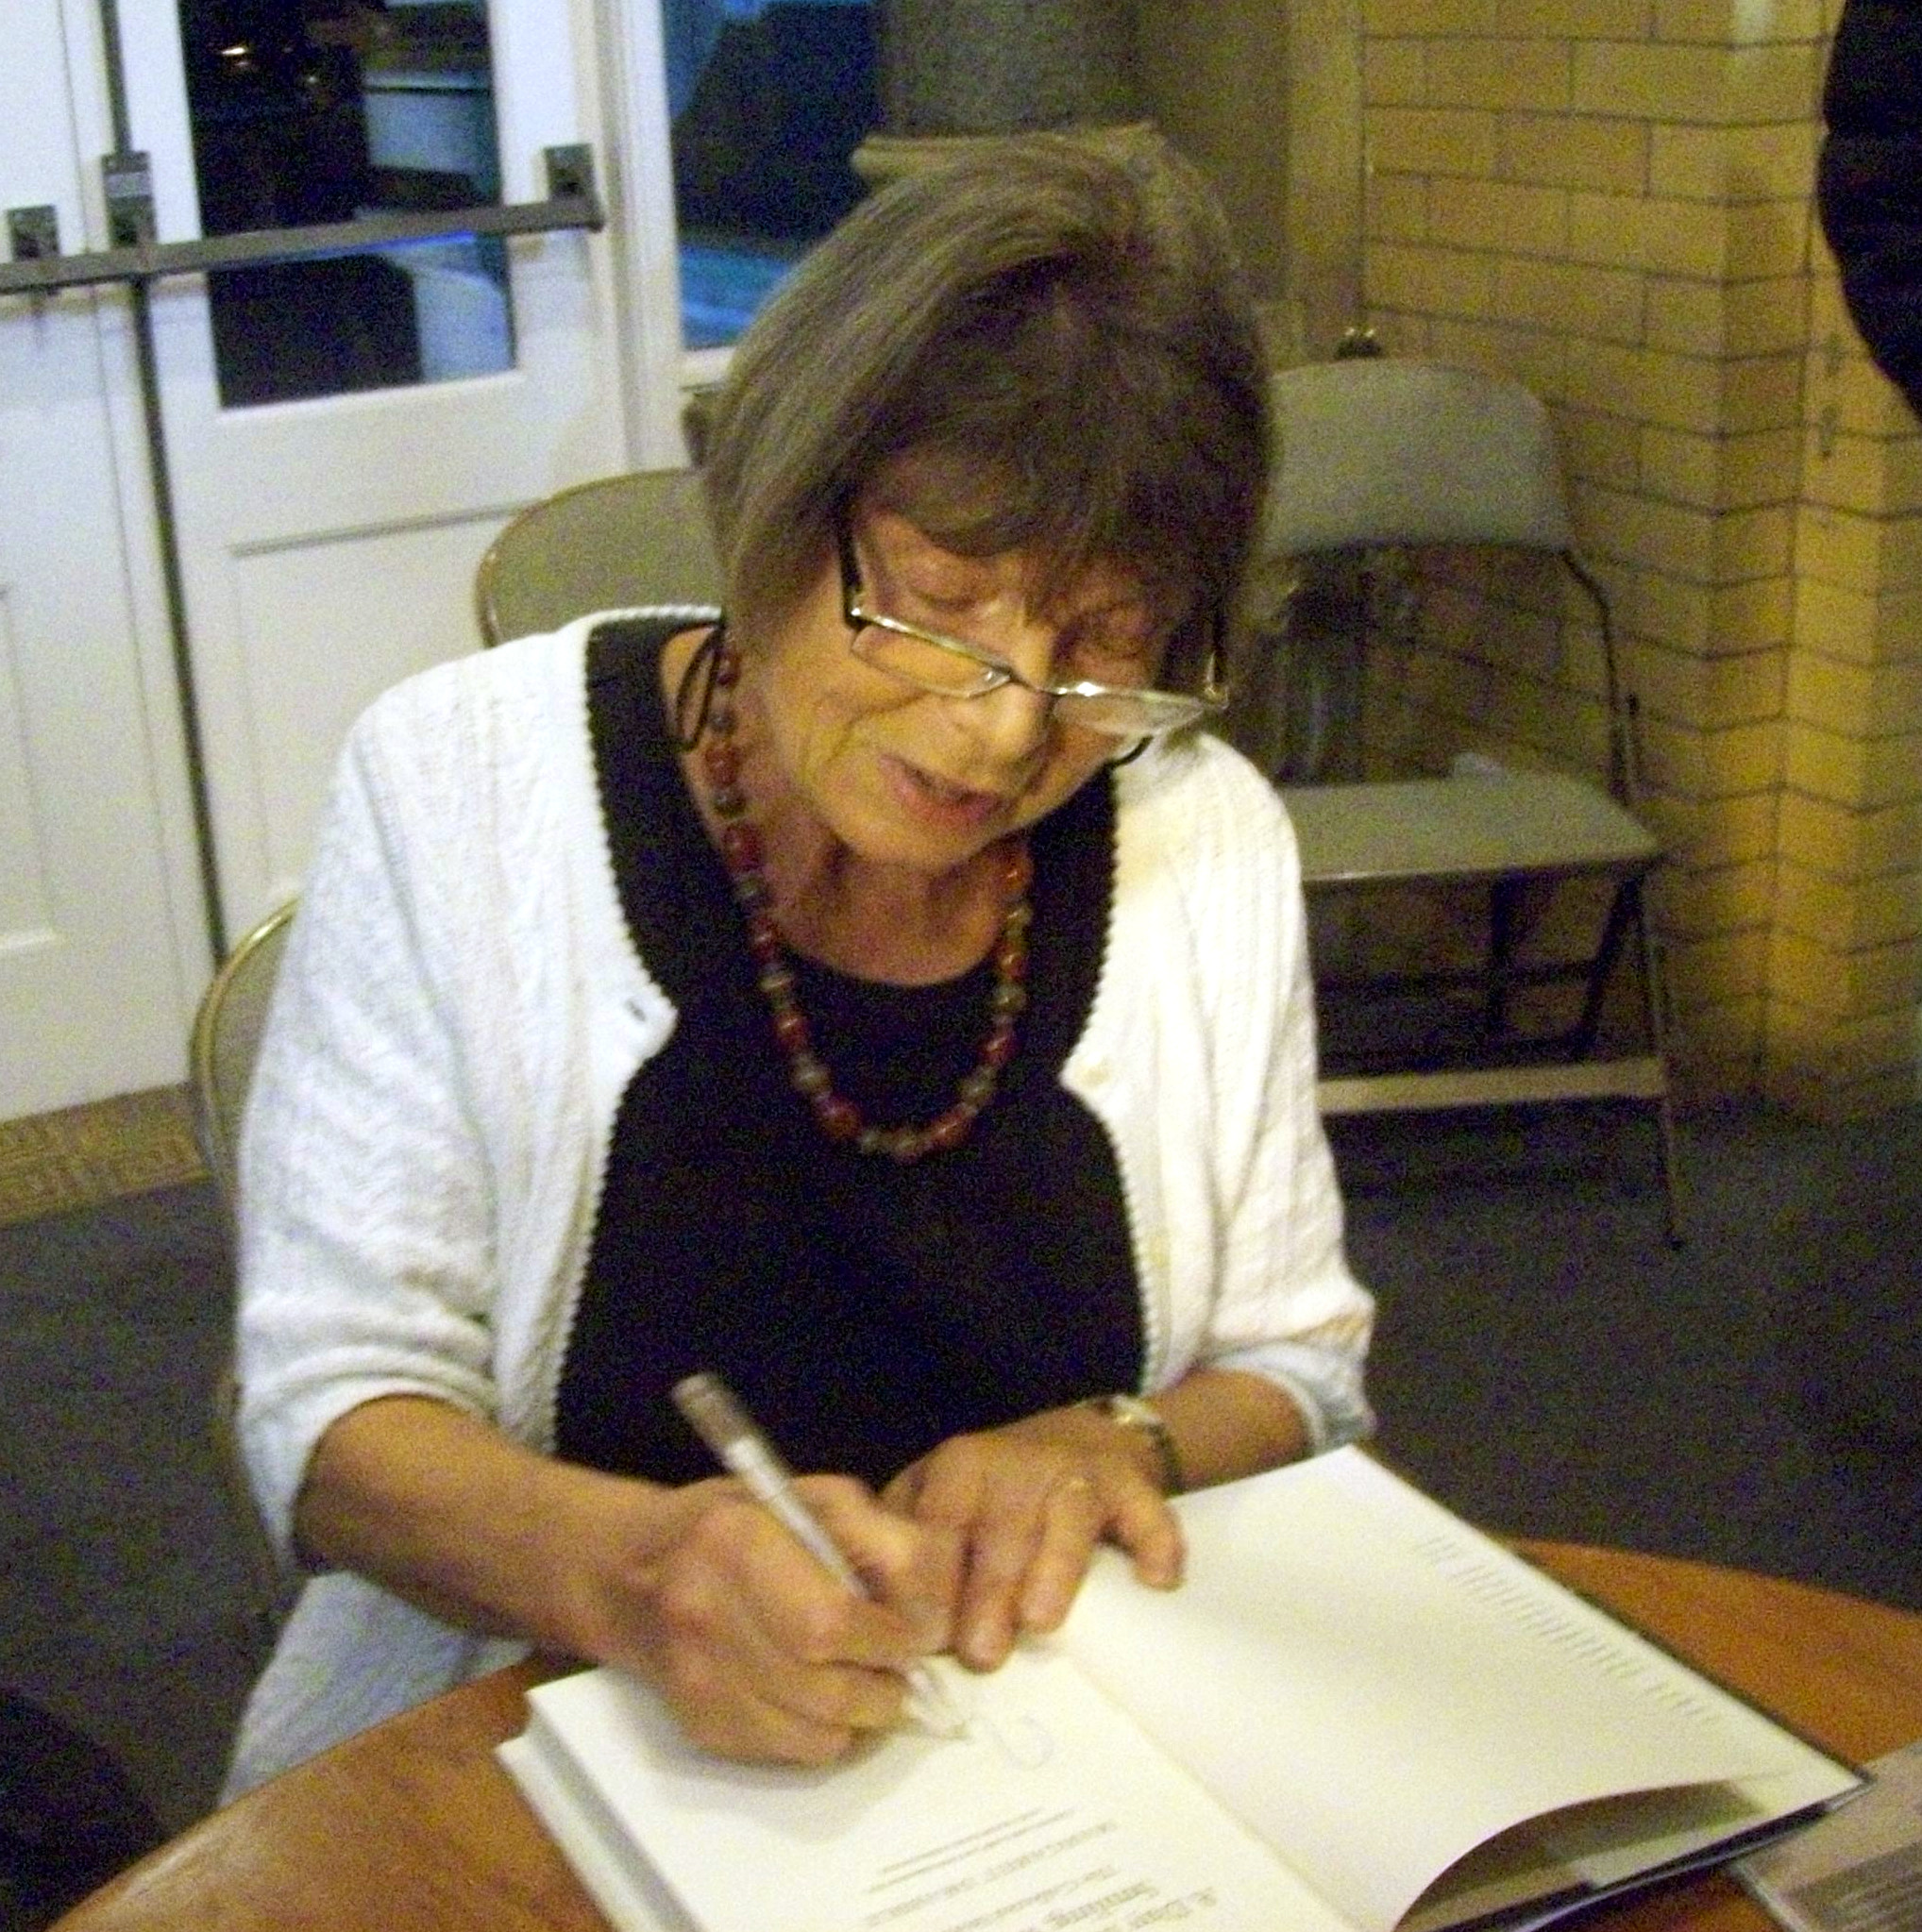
x,y
1131,1412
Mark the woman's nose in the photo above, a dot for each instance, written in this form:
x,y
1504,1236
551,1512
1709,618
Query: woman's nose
x,y
1010,721
1014,717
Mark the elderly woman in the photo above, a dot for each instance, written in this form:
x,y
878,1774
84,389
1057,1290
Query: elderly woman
x,y
883,997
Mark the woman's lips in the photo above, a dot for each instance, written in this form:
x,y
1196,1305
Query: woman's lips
x,y
934,798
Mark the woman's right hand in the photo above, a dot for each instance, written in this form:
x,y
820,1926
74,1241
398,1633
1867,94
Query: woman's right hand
x,y
760,1654
757,1650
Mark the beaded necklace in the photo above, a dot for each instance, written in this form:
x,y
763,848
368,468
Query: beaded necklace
x,y
745,857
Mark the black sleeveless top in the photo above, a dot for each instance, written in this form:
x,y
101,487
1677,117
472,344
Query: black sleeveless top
x,y
864,1311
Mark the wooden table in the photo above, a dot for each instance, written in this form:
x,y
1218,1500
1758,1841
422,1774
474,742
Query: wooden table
x,y
413,1827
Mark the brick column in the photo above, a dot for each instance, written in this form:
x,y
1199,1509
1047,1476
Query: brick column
x,y
1845,962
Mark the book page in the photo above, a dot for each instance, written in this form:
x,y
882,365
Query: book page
x,y
1574,1856
1051,1813
1361,1677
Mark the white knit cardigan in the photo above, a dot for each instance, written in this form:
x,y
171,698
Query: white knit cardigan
x,y
461,1008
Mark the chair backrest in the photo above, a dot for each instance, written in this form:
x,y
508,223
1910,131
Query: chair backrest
x,y
1383,450
225,1043
226,1036
1378,451
609,544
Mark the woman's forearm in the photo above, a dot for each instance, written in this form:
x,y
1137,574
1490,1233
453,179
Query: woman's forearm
x,y
439,1507
1227,1422
758,1649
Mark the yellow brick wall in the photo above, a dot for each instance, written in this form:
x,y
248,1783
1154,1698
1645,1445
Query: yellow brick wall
x,y
1611,200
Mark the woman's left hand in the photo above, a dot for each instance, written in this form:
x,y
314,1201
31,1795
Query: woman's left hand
x,y
1029,1502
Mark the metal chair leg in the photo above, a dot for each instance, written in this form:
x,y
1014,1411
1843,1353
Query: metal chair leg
x,y
1655,1016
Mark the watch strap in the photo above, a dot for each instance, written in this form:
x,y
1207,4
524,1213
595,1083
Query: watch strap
x,y
1132,1412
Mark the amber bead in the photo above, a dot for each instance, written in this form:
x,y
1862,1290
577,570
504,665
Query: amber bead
x,y
741,846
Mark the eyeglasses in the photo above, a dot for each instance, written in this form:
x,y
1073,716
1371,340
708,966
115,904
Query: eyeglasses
x,y
952,668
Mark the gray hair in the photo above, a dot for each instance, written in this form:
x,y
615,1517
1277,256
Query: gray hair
x,y
1041,346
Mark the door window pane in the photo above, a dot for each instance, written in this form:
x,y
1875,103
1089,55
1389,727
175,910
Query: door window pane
x,y
768,99
308,111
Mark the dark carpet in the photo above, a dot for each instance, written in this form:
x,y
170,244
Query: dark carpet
x,y
125,1624
1546,1364
1550,1365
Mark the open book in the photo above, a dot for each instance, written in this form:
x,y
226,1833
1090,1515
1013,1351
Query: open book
x,y
1357,1713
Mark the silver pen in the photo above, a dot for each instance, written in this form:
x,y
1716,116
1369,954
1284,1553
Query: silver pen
x,y
737,1444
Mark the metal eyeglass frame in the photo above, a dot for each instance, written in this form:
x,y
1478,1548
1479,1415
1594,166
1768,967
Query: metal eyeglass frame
x,y
1142,711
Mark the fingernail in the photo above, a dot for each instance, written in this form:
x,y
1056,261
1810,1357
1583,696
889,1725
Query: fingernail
x,y
986,1646
1046,1611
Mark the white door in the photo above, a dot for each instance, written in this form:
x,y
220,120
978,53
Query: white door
x,y
327,544
102,944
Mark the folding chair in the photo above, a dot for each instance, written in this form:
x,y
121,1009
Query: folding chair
x,y
613,543
1378,453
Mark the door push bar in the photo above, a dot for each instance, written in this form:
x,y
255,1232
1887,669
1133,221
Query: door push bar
x,y
38,267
